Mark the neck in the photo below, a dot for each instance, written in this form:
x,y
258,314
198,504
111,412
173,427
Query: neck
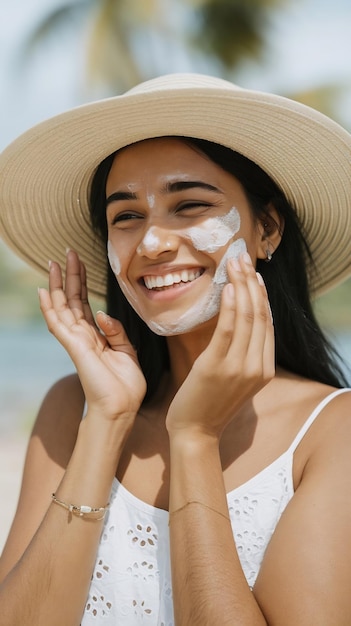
x,y
185,349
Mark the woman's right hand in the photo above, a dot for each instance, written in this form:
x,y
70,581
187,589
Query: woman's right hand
x,y
106,362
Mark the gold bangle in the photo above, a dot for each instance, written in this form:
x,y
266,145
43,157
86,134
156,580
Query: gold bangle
x,y
83,510
172,513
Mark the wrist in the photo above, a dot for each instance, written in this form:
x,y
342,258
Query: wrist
x,y
192,438
104,439
193,443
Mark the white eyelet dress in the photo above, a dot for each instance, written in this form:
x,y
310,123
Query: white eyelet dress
x,y
131,583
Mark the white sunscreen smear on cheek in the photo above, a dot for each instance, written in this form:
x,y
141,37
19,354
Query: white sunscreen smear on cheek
x,y
206,307
116,268
234,251
113,259
214,232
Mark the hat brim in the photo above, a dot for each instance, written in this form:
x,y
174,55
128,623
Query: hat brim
x,y
45,174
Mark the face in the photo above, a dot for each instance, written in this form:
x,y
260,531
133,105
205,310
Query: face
x,y
174,219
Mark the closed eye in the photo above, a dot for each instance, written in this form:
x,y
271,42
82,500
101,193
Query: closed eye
x,y
194,207
125,217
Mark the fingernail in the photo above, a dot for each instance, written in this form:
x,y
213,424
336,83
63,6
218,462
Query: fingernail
x,y
260,279
68,250
103,314
49,264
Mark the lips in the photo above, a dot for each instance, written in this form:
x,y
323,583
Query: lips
x,y
172,278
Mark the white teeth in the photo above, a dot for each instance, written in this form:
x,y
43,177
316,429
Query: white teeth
x,y
168,280
185,276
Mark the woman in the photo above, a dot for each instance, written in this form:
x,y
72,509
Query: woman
x,y
208,480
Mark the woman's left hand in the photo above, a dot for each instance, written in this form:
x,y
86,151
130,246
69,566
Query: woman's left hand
x,y
236,364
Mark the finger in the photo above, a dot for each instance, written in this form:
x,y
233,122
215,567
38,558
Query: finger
x,y
269,346
73,286
244,310
46,305
261,338
52,319
223,334
235,319
260,357
84,296
114,333
58,296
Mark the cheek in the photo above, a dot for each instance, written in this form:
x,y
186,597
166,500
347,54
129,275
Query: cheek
x,y
215,232
113,259
234,251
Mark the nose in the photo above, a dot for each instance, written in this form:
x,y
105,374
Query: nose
x,y
156,242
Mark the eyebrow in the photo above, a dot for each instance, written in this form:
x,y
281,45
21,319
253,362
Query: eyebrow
x,y
170,187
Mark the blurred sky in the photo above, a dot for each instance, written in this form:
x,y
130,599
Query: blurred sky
x,y
310,44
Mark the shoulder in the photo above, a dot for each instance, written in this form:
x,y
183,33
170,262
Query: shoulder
x,y
49,450
325,446
317,417
310,547
58,419
331,432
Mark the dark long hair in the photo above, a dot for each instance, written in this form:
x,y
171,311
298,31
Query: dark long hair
x,y
300,344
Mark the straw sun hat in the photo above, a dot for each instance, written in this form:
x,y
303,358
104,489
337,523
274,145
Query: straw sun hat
x,y
45,174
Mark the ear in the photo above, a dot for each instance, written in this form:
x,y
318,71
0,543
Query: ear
x,y
270,230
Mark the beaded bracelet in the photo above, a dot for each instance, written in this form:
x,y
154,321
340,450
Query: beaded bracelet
x,y
83,510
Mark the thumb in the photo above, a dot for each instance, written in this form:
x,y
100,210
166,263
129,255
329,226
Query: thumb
x,y
114,333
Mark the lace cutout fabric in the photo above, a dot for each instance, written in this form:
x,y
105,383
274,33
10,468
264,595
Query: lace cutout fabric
x,y
131,582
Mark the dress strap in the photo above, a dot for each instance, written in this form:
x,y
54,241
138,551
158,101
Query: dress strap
x,y
314,415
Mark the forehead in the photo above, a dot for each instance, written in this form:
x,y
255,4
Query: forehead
x,y
163,159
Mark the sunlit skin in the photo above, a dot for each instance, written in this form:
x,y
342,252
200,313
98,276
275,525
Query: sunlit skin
x,y
156,191
221,414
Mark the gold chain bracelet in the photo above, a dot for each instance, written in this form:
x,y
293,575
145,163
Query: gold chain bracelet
x,y
206,506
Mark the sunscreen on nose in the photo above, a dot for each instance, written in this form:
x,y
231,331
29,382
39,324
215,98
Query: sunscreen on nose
x,y
150,242
209,237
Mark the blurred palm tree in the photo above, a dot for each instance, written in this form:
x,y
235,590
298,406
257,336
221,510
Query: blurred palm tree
x,y
131,40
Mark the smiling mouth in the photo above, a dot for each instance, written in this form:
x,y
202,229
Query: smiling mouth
x,y
159,283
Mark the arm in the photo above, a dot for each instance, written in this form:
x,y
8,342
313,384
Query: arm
x,y
208,582
49,584
305,576
49,450
306,572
